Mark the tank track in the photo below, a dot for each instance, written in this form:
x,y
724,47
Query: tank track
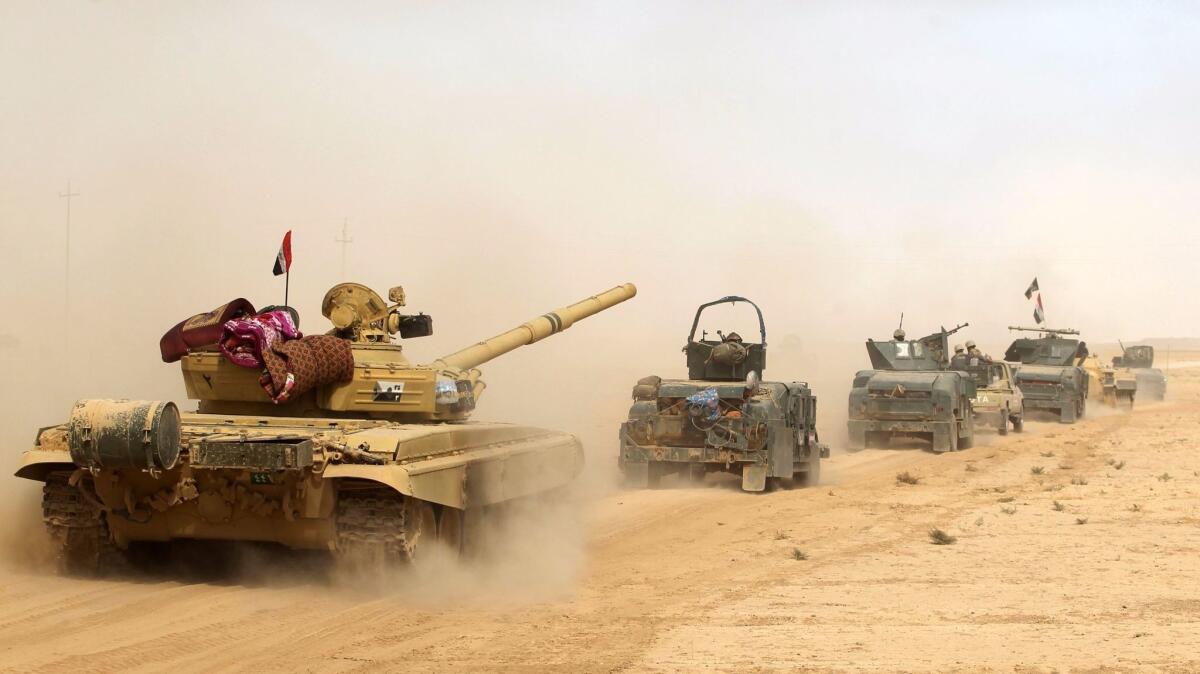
x,y
78,528
371,527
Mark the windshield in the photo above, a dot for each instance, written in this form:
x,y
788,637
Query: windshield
x,y
909,350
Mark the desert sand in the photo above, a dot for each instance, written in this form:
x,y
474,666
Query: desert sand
x,y
1091,565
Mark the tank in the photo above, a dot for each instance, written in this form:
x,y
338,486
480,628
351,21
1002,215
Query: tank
x,y
911,392
722,418
359,452
1151,382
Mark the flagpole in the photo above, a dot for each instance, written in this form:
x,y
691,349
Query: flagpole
x,y
287,277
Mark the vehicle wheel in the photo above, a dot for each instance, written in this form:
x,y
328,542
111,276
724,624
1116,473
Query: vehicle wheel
x,y
420,527
696,473
1069,414
1081,409
654,473
1004,422
967,441
1018,424
810,476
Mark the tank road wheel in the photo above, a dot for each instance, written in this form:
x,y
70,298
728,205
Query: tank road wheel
x,y
450,529
78,528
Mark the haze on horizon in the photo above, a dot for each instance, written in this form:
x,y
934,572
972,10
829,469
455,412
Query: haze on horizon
x,y
838,164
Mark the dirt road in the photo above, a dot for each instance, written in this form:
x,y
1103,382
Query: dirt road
x,y
1078,549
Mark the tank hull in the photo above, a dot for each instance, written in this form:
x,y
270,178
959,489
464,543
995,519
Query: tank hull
x,y
280,480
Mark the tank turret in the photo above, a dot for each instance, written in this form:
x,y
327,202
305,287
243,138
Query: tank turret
x,y
384,384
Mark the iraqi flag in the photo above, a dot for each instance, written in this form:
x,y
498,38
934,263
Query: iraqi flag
x,y
1039,313
283,259
1033,288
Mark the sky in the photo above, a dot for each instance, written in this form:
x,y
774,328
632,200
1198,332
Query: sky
x,y
839,163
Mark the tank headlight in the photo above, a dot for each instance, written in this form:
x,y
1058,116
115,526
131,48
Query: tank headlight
x,y
446,391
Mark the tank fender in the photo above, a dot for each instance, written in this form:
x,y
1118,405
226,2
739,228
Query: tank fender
x,y
36,464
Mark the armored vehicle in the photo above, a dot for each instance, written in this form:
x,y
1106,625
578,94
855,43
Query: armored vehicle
x,y
1151,382
911,392
997,399
333,442
722,417
1059,373
1050,373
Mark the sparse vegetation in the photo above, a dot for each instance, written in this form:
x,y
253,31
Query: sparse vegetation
x,y
1135,508
906,478
1052,487
1047,454
1064,466
1081,520
1037,470
780,535
939,537
1008,510
1164,477
1005,499
1058,506
799,555
1110,461
971,468
1119,465
1079,480
979,521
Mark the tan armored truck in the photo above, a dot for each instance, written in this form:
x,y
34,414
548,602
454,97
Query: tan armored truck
x,y
378,462
998,401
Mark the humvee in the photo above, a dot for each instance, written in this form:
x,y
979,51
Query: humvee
x,y
722,417
912,393
1050,373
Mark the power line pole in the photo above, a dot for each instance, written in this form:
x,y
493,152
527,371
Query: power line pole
x,y
68,195
345,239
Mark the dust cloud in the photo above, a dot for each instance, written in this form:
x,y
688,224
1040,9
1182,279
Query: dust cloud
x,y
499,162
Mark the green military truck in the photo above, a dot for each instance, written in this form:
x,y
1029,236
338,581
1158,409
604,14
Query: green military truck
x,y
722,418
911,392
1050,372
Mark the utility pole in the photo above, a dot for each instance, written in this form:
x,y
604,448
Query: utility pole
x,y
345,239
68,195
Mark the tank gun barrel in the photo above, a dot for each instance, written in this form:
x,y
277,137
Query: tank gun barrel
x,y
534,330
1049,331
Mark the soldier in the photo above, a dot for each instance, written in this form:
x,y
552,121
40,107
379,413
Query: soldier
x,y
959,361
974,354
898,335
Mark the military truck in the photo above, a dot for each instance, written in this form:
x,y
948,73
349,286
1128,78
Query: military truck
x,y
722,417
1151,382
377,461
911,392
1049,371
998,399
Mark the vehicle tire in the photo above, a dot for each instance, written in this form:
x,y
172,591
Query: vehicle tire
x,y
1018,424
654,473
967,441
1069,414
1004,417
696,473
810,476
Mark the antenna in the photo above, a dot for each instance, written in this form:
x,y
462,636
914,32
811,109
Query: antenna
x,y
901,327
345,239
68,195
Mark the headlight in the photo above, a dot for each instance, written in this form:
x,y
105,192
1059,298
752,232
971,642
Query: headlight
x,y
446,391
